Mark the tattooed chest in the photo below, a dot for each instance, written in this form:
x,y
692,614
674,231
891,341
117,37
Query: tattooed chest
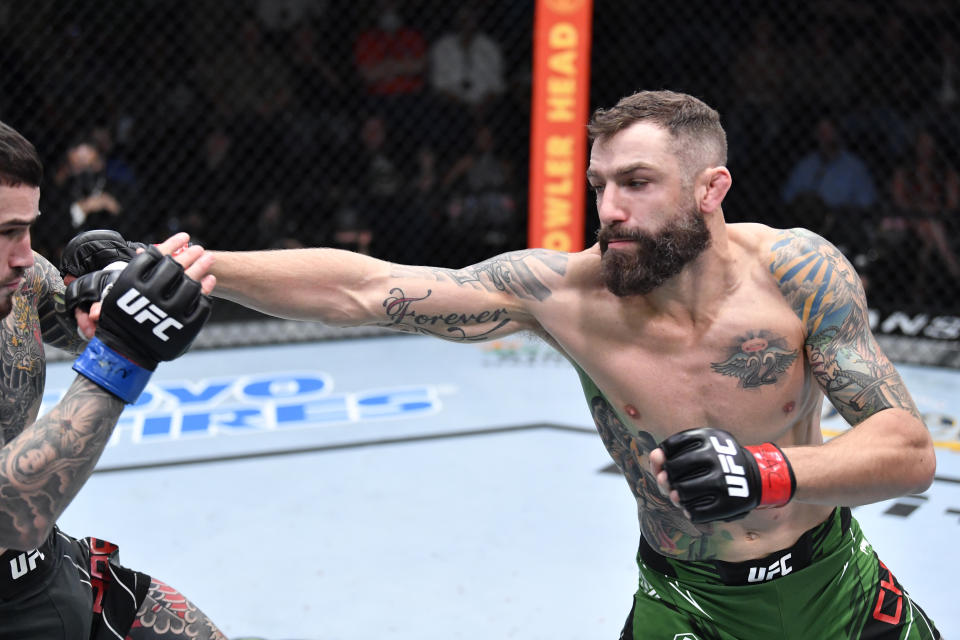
x,y
751,382
23,370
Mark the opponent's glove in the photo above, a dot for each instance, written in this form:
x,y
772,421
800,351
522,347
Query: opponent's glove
x,y
718,479
87,289
152,313
95,250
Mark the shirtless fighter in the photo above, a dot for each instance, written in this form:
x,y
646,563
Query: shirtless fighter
x,y
705,350
54,586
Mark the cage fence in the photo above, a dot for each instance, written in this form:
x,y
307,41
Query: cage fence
x,y
400,129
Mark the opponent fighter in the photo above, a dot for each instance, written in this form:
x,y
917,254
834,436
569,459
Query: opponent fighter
x,y
744,510
54,586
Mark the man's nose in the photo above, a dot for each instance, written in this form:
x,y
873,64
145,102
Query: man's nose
x,y
21,255
610,208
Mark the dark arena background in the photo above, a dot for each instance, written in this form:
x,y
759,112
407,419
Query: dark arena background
x,y
290,123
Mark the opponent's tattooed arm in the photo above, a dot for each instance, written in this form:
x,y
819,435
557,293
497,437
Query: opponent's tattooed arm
x,y
58,328
43,468
825,292
447,313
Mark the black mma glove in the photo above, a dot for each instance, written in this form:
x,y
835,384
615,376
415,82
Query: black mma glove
x,y
152,313
95,250
718,479
87,289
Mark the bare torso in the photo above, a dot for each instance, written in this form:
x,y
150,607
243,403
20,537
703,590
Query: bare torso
x,y
741,367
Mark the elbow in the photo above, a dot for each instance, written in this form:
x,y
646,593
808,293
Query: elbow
x,y
921,465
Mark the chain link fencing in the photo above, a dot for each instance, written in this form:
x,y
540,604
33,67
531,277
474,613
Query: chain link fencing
x,y
364,125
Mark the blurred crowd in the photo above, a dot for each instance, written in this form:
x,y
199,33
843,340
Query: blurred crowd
x,y
400,128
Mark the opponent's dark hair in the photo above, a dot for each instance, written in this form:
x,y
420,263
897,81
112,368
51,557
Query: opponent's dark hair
x,y
19,161
694,126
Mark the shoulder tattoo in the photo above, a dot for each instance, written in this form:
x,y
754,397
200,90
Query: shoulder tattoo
x,y
825,292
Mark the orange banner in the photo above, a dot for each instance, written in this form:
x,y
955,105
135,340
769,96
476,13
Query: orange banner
x,y
558,137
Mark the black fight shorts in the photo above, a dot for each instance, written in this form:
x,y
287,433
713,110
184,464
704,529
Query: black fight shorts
x,y
68,589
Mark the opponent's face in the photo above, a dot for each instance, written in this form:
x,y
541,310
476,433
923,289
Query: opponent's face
x,y
650,224
19,208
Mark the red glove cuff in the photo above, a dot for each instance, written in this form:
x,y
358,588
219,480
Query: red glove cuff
x,y
776,475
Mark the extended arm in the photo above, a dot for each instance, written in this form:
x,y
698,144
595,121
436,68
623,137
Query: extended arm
x,y
889,452
480,302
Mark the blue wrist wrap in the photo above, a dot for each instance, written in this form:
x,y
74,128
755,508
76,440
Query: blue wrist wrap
x,y
107,368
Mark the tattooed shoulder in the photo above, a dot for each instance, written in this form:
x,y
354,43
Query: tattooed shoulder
x,y
816,279
825,292
520,273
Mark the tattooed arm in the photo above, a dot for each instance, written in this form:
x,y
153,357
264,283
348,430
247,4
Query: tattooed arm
x,y
480,302
890,451
59,329
43,468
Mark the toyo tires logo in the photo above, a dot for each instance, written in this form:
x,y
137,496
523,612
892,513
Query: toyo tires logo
x,y
170,410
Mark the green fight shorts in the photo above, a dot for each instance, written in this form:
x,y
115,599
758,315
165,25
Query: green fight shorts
x,y
830,585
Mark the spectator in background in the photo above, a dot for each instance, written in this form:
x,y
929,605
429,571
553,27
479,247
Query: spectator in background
x,y
247,83
818,79
482,210
926,192
881,60
940,86
117,167
216,187
281,17
320,96
830,188
372,217
81,196
466,71
390,58
759,80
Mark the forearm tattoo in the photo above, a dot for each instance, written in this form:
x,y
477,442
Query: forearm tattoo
x,y
663,525
454,326
58,328
43,468
825,292
513,273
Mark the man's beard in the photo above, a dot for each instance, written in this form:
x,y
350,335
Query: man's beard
x,y
655,258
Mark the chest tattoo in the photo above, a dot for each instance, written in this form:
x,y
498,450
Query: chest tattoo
x,y
756,358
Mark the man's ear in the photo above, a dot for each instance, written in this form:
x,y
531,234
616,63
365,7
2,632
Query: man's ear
x,y
712,188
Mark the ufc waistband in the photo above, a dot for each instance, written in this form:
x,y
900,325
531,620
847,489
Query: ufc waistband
x,y
807,549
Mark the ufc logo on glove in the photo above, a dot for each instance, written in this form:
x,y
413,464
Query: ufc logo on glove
x,y
133,303
717,478
736,476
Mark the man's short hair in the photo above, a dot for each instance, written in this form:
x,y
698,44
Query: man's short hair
x,y
694,126
19,161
